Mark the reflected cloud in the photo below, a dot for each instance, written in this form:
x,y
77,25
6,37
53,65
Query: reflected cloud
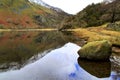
x,y
59,64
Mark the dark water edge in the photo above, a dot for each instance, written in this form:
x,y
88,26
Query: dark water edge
x,y
18,49
99,69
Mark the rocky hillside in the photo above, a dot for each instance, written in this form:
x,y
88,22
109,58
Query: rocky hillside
x,y
95,15
27,14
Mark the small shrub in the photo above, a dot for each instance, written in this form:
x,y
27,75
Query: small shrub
x,y
113,26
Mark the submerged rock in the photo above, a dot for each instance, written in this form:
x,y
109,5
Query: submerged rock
x,y
97,50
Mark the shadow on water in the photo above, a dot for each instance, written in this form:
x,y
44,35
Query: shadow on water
x,y
99,69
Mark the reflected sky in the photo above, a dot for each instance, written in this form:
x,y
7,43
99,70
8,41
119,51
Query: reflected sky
x,y
59,64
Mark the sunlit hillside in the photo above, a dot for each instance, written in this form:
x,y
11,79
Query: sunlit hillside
x,y
23,14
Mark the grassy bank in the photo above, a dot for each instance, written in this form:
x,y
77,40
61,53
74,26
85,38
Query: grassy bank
x,y
98,33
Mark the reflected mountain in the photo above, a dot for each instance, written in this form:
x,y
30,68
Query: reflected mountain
x,y
18,47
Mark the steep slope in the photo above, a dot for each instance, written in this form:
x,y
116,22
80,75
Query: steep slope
x,y
95,15
40,2
24,14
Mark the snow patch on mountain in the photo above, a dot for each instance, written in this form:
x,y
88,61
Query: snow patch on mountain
x,y
40,2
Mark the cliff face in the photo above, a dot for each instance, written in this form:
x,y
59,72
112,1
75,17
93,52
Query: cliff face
x,y
26,14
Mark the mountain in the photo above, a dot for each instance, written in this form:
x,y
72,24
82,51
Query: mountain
x,y
94,15
40,2
28,14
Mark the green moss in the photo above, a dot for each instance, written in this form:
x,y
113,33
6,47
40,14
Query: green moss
x,y
96,50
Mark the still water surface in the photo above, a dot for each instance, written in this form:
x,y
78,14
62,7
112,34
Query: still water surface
x,y
18,49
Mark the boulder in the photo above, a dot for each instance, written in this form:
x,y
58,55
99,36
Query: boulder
x,y
97,50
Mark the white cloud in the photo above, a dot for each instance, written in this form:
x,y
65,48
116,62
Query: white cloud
x,y
71,6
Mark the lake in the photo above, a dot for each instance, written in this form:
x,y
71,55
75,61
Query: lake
x,y
18,47
21,48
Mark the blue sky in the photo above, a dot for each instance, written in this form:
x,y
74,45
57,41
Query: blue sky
x,y
71,6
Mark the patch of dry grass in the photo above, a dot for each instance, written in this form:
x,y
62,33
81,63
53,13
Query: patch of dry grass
x,y
97,34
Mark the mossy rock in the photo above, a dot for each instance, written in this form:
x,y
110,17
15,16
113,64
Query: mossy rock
x,y
97,50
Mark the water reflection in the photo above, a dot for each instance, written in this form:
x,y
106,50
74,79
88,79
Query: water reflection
x,y
115,67
17,47
114,76
59,64
99,69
